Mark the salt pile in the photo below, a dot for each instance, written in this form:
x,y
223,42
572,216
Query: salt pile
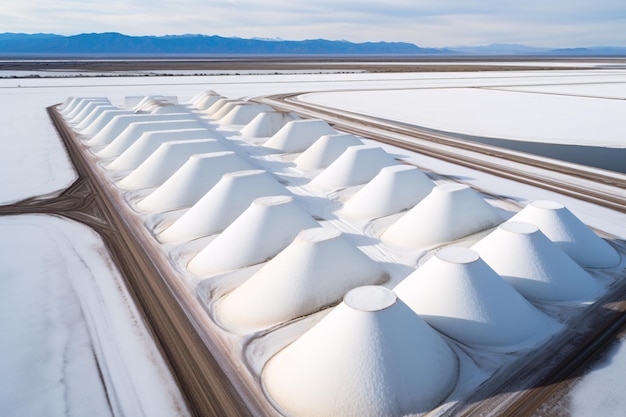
x,y
267,124
149,142
187,185
370,356
133,132
569,233
325,150
356,166
535,266
314,271
449,212
92,116
205,100
261,232
165,161
458,294
88,130
75,106
217,105
92,108
218,208
243,114
226,108
298,135
118,123
395,188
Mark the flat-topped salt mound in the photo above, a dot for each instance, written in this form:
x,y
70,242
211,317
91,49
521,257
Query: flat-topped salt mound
x,y
244,113
93,115
219,207
458,294
120,122
569,233
535,266
101,121
314,271
226,108
165,161
298,135
449,212
202,95
193,180
266,124
370,356
88,110
356,165
261,232
77,104
134,130
325,150
149,142
395,188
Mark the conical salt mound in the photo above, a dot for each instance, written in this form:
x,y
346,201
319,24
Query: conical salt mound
x,y
149,142
117,125
370,356
394,189
187,185
325,150
261,232
134,131
569,233
202,96
230,197
88,110
458,294
165,161
243,114
100,122
80,104
204,101
298,135
356,166
313,272
534,265
226,108
266,124
93,116
217,105
449,212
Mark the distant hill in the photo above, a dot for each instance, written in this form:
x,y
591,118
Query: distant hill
x,y
516,49
118,44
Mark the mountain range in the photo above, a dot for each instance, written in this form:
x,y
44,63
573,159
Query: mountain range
x,y
112,44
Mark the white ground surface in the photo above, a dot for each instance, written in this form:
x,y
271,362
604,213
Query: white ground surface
x,y
32,162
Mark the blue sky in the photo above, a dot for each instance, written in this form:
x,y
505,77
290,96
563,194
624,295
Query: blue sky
x,y
428,23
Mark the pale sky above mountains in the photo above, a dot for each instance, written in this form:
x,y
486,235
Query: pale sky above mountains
x,y
427,23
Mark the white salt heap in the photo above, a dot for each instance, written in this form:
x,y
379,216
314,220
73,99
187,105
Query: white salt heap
x,y
193,180
267,124
134,131
569,233
356,165
89,119
536,267
260,233
93,108
395,188
118,123
313,272
219,207
88,130
458,294
370,356
149,142
298,135
449,212
226,108
243,114
325,150
168,158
